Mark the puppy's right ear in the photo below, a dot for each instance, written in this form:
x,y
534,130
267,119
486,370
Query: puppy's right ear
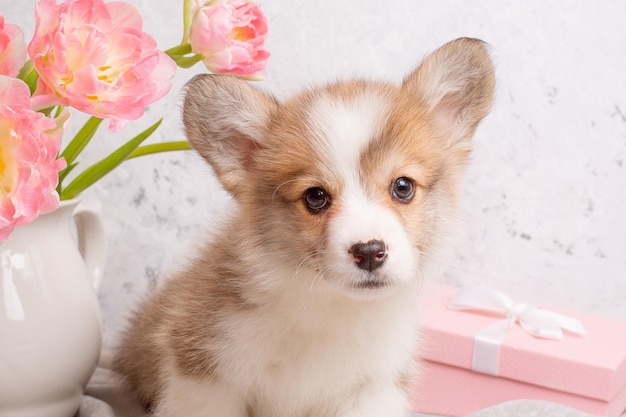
x,y
226,120
456,84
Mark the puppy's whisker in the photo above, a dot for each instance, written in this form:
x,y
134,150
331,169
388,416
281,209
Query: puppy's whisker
x,y
300,266
277,188
325,302
304,260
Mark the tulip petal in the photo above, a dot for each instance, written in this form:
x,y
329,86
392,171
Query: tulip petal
x,y
230,35
12,49
29,166
95,56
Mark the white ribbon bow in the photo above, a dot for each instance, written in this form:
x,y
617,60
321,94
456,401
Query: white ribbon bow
x,y
539,323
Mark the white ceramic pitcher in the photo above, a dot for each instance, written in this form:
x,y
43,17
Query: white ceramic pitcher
x,y
50,326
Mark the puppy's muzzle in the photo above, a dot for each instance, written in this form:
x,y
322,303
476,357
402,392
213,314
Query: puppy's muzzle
x,y
370,255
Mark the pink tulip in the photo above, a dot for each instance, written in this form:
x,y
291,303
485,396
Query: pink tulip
x,y
95,57
12,49
29,167
230,34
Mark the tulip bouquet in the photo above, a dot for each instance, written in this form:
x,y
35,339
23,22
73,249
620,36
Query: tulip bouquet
x,y
93,57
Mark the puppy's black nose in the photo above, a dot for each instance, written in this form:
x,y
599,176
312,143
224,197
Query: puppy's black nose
x,y
369,256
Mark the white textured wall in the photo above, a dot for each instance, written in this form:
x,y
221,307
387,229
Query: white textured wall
x,y
543,216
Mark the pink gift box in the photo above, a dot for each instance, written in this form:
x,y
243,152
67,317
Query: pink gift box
x,y
584,372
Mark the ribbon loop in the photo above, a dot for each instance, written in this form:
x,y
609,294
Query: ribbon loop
x,y
537,322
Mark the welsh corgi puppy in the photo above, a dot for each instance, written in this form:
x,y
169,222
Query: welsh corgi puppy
x,y
302,303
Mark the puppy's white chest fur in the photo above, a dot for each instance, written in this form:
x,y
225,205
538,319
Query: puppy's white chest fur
x,y
304,354
302,303
324,356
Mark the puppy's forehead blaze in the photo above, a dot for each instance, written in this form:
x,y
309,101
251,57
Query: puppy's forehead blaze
x,y
342,138
343,126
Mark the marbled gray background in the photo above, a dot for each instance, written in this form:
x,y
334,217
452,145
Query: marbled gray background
x,y
543,215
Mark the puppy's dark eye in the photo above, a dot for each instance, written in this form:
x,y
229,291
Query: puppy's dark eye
x,y
316,199
403,189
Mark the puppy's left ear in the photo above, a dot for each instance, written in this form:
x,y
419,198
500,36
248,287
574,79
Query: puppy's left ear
x,y
226,121
456,84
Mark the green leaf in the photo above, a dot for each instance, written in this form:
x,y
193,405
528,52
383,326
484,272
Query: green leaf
x,y
188,61
160,147
47,111
82,138
183,56
29,75
76,146
182,49
98,170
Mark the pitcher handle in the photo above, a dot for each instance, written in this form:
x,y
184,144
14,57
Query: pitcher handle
x,y
92,242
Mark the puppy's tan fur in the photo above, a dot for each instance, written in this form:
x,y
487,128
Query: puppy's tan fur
x,y
261,323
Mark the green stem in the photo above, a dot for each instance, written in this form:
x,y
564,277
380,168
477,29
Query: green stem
x,y
59,110
63,174
160,147
187,17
